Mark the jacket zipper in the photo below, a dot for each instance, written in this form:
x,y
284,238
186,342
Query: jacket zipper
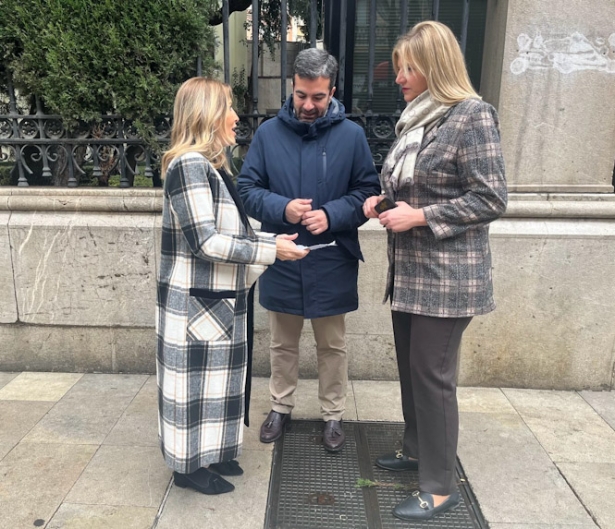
x,y
324,165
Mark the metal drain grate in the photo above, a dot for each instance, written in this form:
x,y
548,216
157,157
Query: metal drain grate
x,y
313,489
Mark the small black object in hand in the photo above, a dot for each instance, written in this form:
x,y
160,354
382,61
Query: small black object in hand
x,y
384,205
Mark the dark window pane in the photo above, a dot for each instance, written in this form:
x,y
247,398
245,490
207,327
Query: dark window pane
x,y
388,30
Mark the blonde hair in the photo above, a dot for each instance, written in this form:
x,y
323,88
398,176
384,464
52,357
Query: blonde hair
x,y
434,52
199,118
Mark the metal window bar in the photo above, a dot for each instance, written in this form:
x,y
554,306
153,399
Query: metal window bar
x,y
342,58
465,19
283,52
255,34
371,56
313,23
225,41
402,30
435,10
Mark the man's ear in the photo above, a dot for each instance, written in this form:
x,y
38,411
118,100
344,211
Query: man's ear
x,y
332,91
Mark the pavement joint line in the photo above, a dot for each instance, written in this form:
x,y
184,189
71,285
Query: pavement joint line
x,y
124,411
594,409
580,500
162,504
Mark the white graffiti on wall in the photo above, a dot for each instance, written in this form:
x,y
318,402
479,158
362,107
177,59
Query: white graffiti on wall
x,y
566,54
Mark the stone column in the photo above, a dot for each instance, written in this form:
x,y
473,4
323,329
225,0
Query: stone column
x,y
549,68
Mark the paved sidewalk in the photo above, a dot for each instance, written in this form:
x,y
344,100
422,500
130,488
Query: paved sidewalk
x,y
80,452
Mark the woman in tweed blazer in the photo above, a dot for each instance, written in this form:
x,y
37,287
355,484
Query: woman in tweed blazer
x,y
444,183
210,257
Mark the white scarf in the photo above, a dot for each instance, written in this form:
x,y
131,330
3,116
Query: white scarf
x,y
419,116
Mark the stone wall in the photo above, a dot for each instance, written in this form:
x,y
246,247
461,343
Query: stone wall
x,y
78,274
549,68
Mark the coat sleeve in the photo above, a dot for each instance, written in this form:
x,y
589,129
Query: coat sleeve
x,y
253,186
346,213
189,187
481,177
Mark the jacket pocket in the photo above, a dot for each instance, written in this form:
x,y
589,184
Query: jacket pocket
x,y
210,319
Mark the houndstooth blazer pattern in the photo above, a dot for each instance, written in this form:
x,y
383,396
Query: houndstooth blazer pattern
x,y
444,269
209,260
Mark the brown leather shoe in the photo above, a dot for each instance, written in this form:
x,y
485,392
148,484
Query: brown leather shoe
x,y
333,437
273,427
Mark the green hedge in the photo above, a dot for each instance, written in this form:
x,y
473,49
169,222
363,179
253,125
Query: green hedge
x,y
84,58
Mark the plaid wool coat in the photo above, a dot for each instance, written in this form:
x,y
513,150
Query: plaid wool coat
x,y
209,260
444,269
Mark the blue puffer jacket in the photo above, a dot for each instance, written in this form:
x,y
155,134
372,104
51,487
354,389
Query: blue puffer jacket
x,y
330,162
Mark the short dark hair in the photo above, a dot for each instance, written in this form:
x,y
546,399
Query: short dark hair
x,y
313,63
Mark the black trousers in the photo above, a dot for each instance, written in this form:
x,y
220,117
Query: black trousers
x,y
427,352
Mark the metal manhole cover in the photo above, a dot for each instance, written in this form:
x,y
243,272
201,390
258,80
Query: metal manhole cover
x,y
311,488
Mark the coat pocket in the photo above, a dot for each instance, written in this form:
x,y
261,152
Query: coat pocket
x,y
210,319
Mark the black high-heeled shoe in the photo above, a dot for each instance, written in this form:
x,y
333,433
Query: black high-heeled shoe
x,y
203,481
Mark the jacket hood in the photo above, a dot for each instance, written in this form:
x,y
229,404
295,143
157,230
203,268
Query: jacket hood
x,y
336,113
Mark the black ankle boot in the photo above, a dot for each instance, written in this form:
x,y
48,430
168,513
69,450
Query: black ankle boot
x,y
227,468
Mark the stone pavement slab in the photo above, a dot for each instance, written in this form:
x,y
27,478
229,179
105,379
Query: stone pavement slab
x,y
18,417
483,400
100,466
71,516
567,427
5,448
138,425
123,475
34,479
5,378
512,476
603,402
377,400
594,483
242,509
39,386
88,412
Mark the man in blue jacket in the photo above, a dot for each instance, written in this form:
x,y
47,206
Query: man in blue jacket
x,y
309,170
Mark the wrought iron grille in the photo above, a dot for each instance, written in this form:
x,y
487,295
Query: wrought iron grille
x,y
38,148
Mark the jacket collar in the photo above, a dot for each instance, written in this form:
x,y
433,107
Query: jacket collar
x,y
335,114
433,132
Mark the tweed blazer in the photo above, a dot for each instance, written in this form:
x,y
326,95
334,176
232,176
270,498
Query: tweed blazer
x,y
444,269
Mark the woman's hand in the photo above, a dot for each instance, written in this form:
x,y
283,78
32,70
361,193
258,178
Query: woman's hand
x,y
369,205
402,218
286,249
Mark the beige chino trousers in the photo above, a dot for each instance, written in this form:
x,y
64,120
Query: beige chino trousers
x,y
330,335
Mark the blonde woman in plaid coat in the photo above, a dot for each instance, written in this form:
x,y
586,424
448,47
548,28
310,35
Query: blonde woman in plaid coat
x,y
444,183
210,257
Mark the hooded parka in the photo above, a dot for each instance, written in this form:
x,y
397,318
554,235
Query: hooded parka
x,y
330,162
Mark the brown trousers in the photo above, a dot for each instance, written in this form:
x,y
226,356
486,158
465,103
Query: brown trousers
x,y
427,352
330,335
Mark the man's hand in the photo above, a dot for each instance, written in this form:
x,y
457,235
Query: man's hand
x,y
296,208
315,221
